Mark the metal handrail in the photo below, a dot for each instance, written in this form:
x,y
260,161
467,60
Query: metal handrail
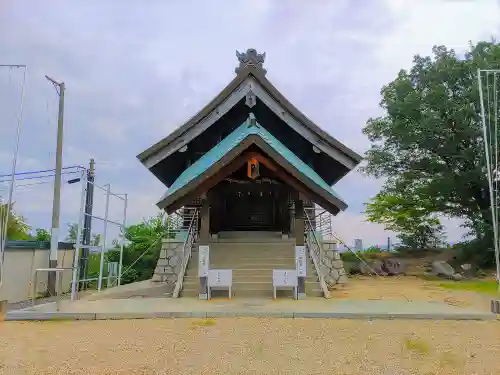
x,y
325,228
186,250
316,256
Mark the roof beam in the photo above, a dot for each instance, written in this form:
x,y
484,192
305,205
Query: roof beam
x,y
250,84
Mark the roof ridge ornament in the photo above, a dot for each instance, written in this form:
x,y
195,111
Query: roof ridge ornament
x,y
250,58
252,121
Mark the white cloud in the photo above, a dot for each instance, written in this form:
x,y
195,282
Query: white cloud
x,y
426,23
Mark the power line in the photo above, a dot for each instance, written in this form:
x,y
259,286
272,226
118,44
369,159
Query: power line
x,y
33,184
23,185
38,177
40,171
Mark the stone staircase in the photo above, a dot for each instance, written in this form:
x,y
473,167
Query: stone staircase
x,y
252,256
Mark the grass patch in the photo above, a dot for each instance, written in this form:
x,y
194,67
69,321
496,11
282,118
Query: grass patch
x,y
417,345
487,287
204,322
451,359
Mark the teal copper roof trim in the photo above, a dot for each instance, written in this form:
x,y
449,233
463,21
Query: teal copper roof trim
x,y
248,128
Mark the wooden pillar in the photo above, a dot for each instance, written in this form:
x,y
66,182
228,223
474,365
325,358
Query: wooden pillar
x,y
203,248
299,242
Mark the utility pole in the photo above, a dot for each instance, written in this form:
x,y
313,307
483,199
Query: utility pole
x,y
87,224
56,204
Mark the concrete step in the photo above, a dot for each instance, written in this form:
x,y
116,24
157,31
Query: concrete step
x,y
252,251
221,240
265,293
250,273
255,244
253,266
252,261
248,233
248,284
252,258
244,278
247,258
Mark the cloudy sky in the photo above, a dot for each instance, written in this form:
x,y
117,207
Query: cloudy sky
x,y
135,70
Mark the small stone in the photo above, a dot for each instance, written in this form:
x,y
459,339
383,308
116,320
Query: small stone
x,y
334,274
174,260
162,263
327,262
337,264
330,254
330,281
375,266
156,278
442,268
343,279
171,279
393,266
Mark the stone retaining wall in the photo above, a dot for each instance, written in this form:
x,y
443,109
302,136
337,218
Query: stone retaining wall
x,y
169,263
332,265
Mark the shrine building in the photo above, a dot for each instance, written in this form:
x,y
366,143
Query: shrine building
x,y
252,169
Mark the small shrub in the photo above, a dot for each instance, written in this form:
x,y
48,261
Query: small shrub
x,y
417,345
204,322
372,250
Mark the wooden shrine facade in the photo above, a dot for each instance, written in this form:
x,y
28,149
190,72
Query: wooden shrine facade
x,y
249,159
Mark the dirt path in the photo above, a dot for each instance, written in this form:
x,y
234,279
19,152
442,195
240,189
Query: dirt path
x,y
250,346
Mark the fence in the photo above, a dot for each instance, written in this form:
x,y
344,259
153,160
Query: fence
x,y
101,248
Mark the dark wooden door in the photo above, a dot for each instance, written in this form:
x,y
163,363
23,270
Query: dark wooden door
x,y
249,210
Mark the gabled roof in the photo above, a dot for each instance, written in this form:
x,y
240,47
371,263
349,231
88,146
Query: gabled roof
x,y
250,132
251,73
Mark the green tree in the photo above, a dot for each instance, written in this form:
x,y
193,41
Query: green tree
x,y
17,228
72,232
428,145
42,235
416,228
142,247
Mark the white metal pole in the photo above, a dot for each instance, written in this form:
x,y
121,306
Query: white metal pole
x,y
3,236
74,284
120,264
490,182
103,247
495,120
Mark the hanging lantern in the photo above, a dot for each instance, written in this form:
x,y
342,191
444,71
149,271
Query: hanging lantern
x,y
253,168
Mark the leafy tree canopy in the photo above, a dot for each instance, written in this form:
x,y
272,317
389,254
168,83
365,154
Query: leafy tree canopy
x,y
17,228
42,235
416,228
428,145
142,247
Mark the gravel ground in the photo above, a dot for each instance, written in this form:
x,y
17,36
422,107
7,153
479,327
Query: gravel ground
x,y
411,289
250,346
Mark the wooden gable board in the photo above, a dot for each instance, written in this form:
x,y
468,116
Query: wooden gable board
x,y
248,80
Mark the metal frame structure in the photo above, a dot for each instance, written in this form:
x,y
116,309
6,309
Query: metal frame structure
x,y
3,230
191,238
78,246
489,119
58,287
